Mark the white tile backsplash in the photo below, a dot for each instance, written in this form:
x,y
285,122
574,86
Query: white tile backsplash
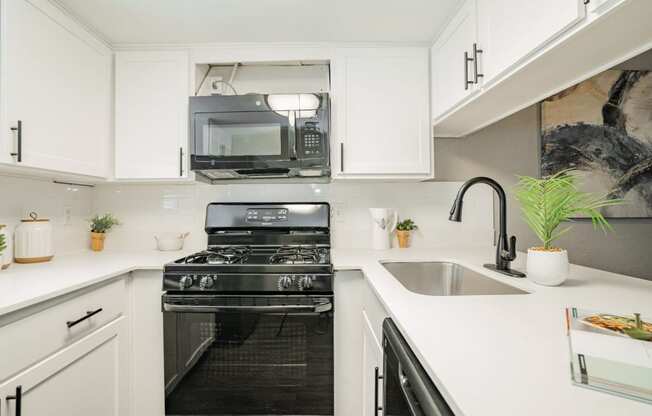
x,y
20,196
147,209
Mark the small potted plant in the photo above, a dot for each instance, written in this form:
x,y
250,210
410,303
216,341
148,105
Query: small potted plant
x,y
3,247
403,230
100,225
547,203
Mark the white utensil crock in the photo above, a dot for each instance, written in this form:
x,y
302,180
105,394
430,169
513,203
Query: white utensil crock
x,y
547,268
34,240
383,224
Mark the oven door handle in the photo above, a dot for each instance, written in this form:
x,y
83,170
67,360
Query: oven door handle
x,y
319,308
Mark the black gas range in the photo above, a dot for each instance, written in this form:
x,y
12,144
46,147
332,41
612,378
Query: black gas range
x,y
248,322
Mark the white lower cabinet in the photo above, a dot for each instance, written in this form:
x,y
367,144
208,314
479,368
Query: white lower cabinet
x,y
85,378
358,348
372,362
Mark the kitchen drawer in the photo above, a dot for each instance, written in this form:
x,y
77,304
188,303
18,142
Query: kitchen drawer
x,y
36,336
374,311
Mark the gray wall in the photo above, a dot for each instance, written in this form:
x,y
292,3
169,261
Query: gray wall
x,y
511,147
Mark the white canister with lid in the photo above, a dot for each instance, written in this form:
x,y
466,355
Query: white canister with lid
x,y
33,241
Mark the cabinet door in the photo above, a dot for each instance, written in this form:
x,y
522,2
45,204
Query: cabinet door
x,y
151,115
86,378
511,30
381,102
56,79
450,71
372,358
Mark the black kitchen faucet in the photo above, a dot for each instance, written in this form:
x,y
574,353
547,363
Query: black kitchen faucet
x,y
505,251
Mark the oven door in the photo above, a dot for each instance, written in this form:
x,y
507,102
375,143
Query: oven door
x,y
255,355
241,140
408,391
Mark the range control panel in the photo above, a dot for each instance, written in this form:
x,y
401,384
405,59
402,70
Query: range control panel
x,y
267,215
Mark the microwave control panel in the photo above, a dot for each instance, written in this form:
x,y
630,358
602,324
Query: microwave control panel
x,y
312,141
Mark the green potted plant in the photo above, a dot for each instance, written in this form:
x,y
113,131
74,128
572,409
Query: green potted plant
x,y
100,225
403,230
3,247
547,203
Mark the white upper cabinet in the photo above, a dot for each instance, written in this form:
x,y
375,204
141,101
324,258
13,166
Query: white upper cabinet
x,y
151,114
452,68
526,51
381,114
510,30
56,81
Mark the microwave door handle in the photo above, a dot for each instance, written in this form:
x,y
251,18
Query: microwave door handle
x,y
292,140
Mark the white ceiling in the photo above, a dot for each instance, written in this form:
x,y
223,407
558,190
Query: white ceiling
x,y
191,21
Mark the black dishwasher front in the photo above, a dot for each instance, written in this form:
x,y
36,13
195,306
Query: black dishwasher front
x,y
408,391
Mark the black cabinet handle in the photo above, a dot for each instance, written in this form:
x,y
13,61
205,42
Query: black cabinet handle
x,y
377,377
19,399
476,52
466,70
83,318
342,157
181,161
19,141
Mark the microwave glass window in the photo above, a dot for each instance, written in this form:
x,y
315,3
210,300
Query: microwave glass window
x,y
260,139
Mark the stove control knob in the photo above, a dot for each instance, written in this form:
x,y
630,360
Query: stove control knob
x,y
206,282
305,282
285,282
185,282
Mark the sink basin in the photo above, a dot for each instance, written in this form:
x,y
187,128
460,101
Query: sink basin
x,y
446,279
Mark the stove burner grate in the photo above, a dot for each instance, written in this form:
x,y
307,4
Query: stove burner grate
x,y
225,255
299,255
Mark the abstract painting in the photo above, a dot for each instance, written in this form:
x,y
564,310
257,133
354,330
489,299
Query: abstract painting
x,y
602,127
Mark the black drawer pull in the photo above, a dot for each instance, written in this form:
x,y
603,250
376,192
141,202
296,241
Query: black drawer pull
x,y
82,319
181,161
377,377
19,399
19,141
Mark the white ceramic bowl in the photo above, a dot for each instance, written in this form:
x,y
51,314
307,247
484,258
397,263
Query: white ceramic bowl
x,y
170,241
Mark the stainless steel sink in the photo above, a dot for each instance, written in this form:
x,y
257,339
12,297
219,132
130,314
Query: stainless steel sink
x,y
446,279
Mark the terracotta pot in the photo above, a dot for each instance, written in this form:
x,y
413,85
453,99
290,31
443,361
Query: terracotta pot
x,y
403,238
97,241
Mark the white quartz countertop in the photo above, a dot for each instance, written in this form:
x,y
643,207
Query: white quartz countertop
x,y
489,355
23,285
502,355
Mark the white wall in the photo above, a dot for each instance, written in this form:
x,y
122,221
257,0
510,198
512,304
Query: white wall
x,y
18,197
147,209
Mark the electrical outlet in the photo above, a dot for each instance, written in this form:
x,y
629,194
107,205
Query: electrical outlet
x,y
337,211
67,215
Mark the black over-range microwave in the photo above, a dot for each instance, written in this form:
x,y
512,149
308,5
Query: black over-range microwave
x,y
260,136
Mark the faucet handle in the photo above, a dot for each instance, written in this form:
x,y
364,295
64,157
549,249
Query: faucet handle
x,y
512,248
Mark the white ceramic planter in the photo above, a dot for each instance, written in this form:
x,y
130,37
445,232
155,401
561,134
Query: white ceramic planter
x,y
548,268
